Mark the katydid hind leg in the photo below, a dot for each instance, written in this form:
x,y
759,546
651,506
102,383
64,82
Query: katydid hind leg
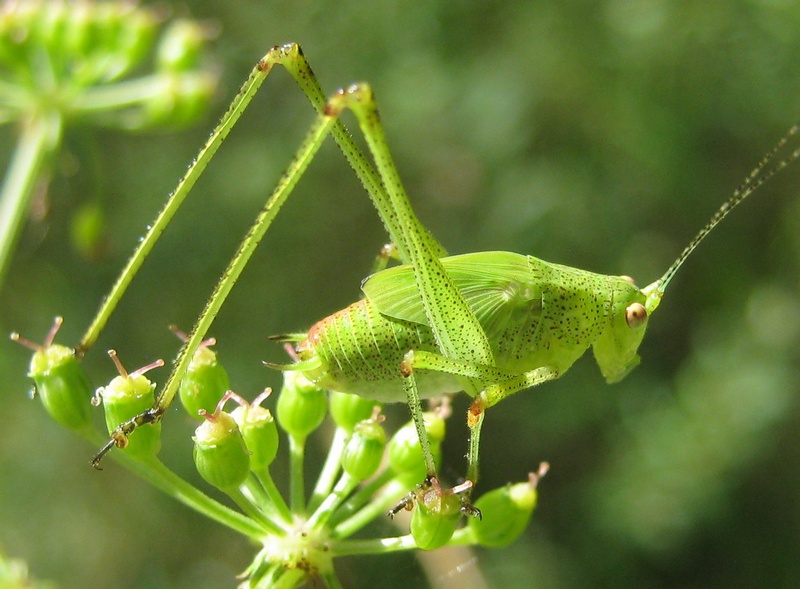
x,y
457,331
291,57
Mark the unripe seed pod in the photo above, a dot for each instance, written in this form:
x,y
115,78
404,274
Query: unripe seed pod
x,y
183,97
220,454
127,396
62,385
181,46
301,405
435,518
61,381
136,38
506,512
405,453
347,410
363,452
204,383
260,434
88,231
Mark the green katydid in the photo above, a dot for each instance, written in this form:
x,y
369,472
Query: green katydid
x,y
489,323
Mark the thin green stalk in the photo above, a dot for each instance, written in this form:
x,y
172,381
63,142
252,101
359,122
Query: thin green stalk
x,y
365,495
377,507
254,512
275,497
287,578
157,474
296,476
121,94
332,580
343,488
40,137
377,546
259,495
327,477
162,477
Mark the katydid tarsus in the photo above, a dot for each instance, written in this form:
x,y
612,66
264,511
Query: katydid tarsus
x,y
489,323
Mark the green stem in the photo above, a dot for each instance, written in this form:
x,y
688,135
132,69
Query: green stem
x,y
126,93
332,580
259,495
39,139
377,546
366,494
327,477
296,477
343,488
157,474
378,506
275,497
254,512
463,537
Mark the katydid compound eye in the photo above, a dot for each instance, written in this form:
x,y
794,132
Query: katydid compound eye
x,y
635,315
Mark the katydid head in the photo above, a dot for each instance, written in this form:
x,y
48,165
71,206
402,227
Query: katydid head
x,y
615,349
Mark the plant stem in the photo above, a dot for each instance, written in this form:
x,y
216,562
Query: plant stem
x,y
327,477
296,476
254,512
40,137
275,498
157,474
376,546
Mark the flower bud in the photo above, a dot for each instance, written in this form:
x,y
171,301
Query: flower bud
x,y
405,453
435,517
347,410
506,512
301,405
182,99
220,453
127,396
61,381
259,432
181,46
204,383
124,34
88,231
363,452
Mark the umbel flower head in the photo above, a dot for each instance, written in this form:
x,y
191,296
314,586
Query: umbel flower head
x,y
98,63
86,60
300,529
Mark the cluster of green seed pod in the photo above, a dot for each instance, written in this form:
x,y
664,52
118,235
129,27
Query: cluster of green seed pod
x,y
367,474
91,56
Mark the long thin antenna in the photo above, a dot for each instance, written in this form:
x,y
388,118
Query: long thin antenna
x,y
753,180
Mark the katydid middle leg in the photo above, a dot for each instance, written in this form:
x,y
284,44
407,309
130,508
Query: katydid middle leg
x,y
500,384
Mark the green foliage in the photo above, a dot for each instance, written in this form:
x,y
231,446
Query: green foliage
x,y
65,63
595,134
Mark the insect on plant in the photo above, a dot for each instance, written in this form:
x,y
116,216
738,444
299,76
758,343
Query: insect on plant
x,y
488,323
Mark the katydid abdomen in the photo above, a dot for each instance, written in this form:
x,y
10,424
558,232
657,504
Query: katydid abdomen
x,y
535,314
357,350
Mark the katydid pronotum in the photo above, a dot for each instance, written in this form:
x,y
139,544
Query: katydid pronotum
x,y
489,323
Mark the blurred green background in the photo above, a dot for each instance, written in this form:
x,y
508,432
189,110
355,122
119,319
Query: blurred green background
x,y
598,134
